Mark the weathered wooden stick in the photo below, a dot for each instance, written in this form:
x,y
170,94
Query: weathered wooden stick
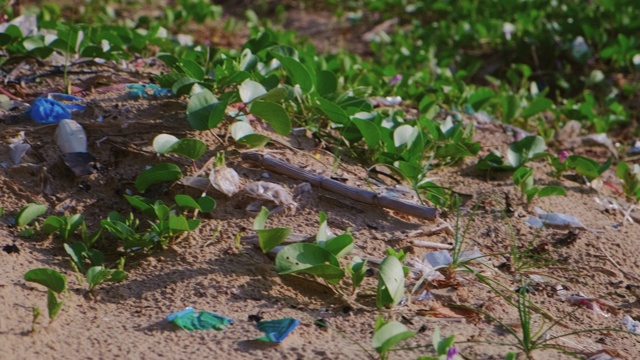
x,y
432,245
350,192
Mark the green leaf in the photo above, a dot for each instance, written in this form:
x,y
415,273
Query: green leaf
x,y
163,142
183,85
273,114
310,259
96,275
200,109
481,97
186,201
270,238
77,251
240,129
53,304
29,212
250,90
275,95
207,203
405,134
191,148
52,224
254,140
334,112
340,245
525,150
248,61
390,282
539,105
326,83
179,223
260,221
551,191
141,203
192,69
510,108
390,334
159,173
298,73
117,276
357,271
48,277
370,132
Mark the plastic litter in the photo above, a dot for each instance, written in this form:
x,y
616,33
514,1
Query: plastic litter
x,y
554,220
271,192
141,91
277,330
630,324
189,319
70,137
51,111
72,142
598,306
225,180
18,148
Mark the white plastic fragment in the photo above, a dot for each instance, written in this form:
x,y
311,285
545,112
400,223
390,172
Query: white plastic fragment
x,y
271,192
195,182
438,258
18,148
630,324
70,137
225,180
554,220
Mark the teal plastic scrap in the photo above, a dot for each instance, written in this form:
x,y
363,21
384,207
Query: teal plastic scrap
x,y
189,319
140,91
277,330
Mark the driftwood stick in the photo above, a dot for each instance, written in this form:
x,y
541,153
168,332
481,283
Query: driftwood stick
x,y
350,192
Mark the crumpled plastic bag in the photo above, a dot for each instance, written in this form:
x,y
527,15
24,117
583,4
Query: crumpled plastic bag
x,y
271,192
189,319
50,111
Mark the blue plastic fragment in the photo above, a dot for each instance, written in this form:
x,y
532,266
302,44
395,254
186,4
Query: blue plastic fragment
x,y
50,111
277,330
47,111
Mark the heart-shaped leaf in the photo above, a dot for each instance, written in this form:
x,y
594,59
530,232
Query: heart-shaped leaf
x,y
250,90
389,335
390,282
50,278
160,173
270,238
273,114
310,259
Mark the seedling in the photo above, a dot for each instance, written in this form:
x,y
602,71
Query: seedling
x,y
96,274
268,238
164,226
444,347
528,149
64,226
387,334
523,178
55,283
584,166
318,259
630,177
